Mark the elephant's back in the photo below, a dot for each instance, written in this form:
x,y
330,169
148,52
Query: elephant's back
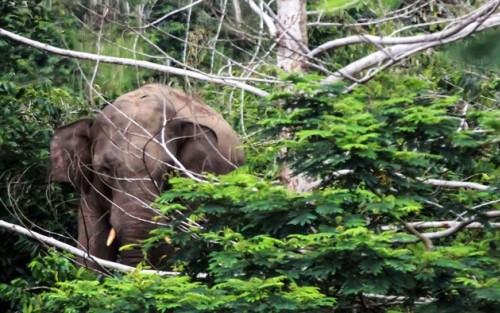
x,y
153,106
136,110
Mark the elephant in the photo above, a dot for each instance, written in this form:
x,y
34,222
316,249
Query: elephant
x,y
121,160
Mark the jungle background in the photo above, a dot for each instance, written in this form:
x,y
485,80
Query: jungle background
x,y
372,143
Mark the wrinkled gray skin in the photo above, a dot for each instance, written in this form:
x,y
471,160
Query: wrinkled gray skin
x,y
120,160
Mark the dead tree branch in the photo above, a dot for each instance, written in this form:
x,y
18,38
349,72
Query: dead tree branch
x,y
63,246
398,52
427,242
130,62
438,36
80,253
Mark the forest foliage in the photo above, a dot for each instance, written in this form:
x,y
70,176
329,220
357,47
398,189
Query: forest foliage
x,y
351,244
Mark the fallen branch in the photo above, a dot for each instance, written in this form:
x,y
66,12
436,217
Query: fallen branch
x,y
80,253
132,62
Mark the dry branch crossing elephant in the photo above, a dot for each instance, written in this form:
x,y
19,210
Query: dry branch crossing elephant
x,y
120,159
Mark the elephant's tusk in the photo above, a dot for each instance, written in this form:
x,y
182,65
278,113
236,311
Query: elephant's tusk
x,y
111,237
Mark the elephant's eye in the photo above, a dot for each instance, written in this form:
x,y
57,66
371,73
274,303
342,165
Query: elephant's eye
x,y
104,172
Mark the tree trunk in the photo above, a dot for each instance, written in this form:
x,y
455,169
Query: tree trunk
x,y
292,48
292,35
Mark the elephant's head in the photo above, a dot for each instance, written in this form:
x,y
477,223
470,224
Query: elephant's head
x,y
119,160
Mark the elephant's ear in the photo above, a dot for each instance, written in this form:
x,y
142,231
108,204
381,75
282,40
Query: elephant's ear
x,y
70,153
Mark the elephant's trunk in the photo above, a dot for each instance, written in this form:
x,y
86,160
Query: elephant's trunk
x,y
132,218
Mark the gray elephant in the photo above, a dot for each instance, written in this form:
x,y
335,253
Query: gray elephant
x,y
121,161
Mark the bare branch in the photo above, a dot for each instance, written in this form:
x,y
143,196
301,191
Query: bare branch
x,y
80,253
431,181
441,224
98,49
398,299
459,226
450,183
217,34
271,27
405,12
457,184
434,182
427,242
398,52
189,6
237,12
186,39
378,40
455,226
485,204
131,62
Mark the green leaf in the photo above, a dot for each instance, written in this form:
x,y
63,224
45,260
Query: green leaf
x,y
451,264
490,293
302,219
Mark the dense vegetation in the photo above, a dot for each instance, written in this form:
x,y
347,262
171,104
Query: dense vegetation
x,y
352,244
